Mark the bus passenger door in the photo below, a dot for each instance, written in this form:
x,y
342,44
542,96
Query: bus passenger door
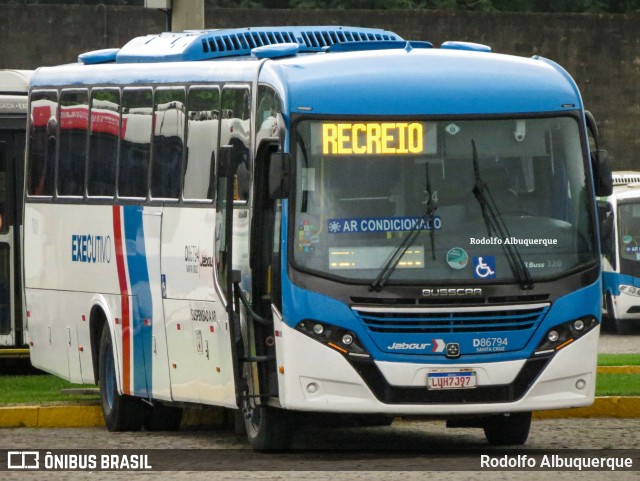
x,y
194,317
10,325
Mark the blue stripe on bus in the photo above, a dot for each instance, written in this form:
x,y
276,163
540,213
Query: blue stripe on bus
x,y
142,304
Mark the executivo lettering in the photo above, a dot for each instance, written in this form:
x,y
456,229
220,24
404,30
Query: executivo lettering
x,y
94,249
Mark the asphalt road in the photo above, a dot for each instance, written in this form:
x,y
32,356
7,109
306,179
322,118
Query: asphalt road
x,y
612,343
381,454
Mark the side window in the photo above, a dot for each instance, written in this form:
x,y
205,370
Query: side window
x,y
168,143
268,106
136,126
104,137
202,143
42,143
235,131
72,143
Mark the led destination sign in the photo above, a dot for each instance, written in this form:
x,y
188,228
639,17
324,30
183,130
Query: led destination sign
x,y
373,138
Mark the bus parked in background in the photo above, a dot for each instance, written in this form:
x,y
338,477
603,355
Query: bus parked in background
x,y
14,87
289,221
620,220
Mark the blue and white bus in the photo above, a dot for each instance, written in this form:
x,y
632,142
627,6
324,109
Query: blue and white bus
x,y
293,220
620,217
14,87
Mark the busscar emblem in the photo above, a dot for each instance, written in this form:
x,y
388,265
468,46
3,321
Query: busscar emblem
x,y
453,350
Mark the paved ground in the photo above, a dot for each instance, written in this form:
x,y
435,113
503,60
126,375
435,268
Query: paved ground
x,y
612,343
555,436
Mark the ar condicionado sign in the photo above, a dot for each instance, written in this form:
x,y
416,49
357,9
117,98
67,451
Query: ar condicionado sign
x,y
372,138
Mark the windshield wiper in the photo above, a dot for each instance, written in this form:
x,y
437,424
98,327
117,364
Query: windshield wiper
x,y
495,224
305,193
427,219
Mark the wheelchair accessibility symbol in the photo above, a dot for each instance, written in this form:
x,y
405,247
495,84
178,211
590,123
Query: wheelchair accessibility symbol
x,y
484,267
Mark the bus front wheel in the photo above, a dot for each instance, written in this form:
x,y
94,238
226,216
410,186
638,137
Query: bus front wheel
x,y
268,428
121,412
508,429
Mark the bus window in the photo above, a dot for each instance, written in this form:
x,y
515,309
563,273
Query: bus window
x,y
5,248
202,143
104,137
268,107
168,143
137,108
4,185
42,143
74,118
235,131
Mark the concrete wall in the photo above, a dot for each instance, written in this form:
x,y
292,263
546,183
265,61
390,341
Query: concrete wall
x,y
602,52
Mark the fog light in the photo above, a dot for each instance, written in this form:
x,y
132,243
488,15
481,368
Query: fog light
x,y
347,339
318,329
553,336
581,384
312,388
578,325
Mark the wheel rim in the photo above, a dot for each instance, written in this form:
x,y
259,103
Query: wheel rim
x,y
252,418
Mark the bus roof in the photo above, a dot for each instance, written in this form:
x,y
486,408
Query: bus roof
x,y
15,81
421,81
382,75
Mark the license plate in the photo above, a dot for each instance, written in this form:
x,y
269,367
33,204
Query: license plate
x,y
451,380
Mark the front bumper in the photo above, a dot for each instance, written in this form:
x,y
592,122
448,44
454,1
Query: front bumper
x,y
317,378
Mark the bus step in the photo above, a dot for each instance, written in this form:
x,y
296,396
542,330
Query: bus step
x,y
257,359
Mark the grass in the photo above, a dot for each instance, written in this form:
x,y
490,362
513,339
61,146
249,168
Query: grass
x,y
619,360
47,389
40,389
618,385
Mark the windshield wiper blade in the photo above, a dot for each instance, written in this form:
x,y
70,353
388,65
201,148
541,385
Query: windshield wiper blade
x,y
427,219
495,224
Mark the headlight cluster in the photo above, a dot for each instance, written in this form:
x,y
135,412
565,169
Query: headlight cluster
x,y
630,290
337,338
564,334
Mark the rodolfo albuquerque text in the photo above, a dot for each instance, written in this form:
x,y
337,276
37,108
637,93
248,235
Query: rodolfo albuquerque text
x,y
523,241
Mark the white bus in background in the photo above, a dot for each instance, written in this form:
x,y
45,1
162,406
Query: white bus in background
x,y
14,86
620,221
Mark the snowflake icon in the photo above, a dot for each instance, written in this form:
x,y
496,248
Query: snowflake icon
x,y
334,227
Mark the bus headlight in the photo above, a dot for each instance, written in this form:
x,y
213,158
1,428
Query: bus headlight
x,y
564,334
337,338
629,290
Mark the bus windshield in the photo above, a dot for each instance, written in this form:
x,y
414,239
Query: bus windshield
x,y
364,187
629,229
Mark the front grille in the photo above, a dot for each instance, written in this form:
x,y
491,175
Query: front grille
x,y
441,320
449,301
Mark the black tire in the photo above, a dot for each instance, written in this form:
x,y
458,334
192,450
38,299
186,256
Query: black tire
x,y
508,429
121,412
161,417
268,429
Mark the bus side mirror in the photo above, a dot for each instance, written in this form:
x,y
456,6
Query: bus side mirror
x,y
600,165
279,175
602,173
